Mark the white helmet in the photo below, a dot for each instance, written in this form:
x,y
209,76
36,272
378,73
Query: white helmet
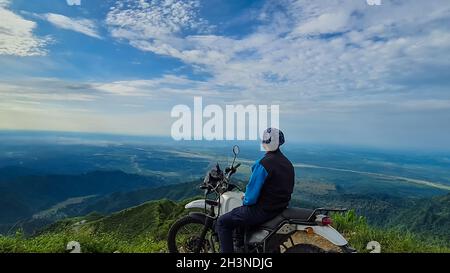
x,y
272,139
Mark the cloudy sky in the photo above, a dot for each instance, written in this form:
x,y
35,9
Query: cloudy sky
x,y
342,71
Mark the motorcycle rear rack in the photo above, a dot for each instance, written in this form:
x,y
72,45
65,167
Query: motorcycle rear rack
x,y
311,218
327,210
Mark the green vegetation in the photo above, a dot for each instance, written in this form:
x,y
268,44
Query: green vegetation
x,y
139,229
144,229
429,216
392,240
46,195
122,200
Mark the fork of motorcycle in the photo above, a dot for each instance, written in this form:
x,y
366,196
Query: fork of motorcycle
x,y
211,243
207,225
201,240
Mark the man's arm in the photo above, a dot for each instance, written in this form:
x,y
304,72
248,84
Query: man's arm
x,y
255,184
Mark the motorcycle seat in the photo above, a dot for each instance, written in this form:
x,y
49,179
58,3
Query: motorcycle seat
x,y
299,214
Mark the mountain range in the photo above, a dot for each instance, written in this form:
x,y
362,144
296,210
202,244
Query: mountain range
x,y
26,194
102,193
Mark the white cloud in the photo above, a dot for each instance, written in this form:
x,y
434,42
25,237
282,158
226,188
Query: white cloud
x,y
152,19
73,2
154,24
377,49
337,68
317,59
53,104
84,26
325,23
38,93
4,3
16,34
159,89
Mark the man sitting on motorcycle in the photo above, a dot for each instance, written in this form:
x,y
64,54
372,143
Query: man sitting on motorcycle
x,y
268,191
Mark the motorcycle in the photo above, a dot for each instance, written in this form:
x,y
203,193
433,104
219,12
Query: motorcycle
x,y
295,230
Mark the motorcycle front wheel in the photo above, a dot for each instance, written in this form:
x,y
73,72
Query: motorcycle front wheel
x,y
185,235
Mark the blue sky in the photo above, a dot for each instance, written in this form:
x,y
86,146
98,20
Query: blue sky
x,y
342,71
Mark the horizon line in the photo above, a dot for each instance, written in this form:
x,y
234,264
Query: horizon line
x,y
377,148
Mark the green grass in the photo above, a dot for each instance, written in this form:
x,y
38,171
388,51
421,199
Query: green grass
x,y
144,229
392,240
90,243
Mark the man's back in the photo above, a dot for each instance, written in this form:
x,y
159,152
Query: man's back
x,y
279,184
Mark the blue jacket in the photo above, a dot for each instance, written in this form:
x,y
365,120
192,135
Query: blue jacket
x,y
271,183
255,183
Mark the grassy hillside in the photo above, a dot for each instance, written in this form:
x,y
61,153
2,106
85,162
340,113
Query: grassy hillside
x,y
144,229
107,204
24,196
392,240
121,200
427,216
137,229
430,216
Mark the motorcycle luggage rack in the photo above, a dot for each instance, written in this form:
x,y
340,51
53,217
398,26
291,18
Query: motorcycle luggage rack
x,y
327,210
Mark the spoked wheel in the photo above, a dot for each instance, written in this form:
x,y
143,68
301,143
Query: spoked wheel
x,y
184,237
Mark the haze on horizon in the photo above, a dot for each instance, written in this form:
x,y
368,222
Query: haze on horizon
x,y
343,72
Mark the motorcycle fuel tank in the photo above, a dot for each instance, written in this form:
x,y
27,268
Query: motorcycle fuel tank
x,y
230,200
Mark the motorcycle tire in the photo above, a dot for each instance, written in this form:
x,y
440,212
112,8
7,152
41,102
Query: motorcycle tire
x,y
301,242
175,228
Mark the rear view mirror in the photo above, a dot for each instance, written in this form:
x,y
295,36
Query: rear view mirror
x,y
236,150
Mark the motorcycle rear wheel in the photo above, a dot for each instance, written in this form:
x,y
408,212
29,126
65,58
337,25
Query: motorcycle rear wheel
x,y
304,248
302,242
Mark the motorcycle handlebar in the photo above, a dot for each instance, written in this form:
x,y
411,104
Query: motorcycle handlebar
x,y
232,169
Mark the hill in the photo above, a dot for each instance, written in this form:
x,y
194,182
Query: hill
x,y
144,229
121,200
24,194
138,229
106,204
379,210
430,216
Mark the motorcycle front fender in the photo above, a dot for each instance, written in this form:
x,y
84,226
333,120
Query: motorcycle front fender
x,y
196,204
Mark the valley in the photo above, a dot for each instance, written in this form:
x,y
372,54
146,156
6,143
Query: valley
x,y
50,179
